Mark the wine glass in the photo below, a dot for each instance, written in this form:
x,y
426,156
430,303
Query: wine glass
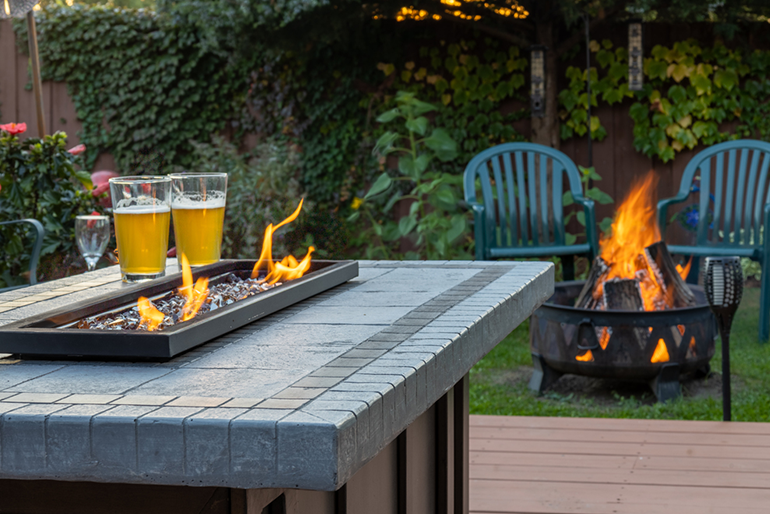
x,y
92,234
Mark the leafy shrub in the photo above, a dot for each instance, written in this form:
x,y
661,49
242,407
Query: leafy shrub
x,y
263,187
436,224
39,180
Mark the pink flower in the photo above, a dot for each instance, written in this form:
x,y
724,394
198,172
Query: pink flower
x,y
77,150
14,128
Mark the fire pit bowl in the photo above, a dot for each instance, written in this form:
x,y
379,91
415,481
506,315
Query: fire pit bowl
x,y
652,346
54,334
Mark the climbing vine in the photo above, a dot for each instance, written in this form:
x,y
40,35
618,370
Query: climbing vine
x,y
689,93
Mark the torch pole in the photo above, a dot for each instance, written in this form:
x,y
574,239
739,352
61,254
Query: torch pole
x,y
37,83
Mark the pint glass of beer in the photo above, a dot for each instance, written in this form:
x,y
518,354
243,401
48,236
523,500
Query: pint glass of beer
x,y
198,205
142,209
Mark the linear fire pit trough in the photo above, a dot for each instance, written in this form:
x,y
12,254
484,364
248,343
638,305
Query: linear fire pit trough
x,y
48,335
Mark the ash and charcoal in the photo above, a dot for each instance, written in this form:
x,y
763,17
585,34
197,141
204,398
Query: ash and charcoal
x,y
231,290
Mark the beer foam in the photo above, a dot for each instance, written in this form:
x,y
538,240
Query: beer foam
x,y
142,209
214,200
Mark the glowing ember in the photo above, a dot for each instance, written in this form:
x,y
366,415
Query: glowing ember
x,y
586,357
151,317
661,353
194,296
288,268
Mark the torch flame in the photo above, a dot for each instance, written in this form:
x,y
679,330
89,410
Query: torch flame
x,y
7,8
661,352
194,296
288,268
150,316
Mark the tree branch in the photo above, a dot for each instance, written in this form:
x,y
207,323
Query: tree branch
x,y
579,35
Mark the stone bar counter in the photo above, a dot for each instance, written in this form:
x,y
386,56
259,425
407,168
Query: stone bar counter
x,y
354,401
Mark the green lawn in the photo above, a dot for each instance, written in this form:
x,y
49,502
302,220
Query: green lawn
x,y
499,383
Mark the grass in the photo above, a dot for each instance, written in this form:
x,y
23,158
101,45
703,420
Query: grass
x,y
499,383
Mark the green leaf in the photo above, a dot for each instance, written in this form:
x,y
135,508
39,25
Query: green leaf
x,y
567,200
570,239
677,93
725,78
599,196
419,125
385,143
457,228
605,225
389,115
84,178
381,184
442,143
581,217
421,107
354,216
406,225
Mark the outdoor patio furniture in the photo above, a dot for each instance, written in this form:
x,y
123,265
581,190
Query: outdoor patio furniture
x,y
355,400
37,245
733,207
521,213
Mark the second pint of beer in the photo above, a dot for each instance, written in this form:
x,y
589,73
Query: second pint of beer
x,y
198,209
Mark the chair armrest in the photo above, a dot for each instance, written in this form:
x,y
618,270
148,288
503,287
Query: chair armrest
x,y
592,235
663,209
479,229
36,247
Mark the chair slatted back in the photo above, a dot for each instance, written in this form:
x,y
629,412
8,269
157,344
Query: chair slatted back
x,y
734,188
521,187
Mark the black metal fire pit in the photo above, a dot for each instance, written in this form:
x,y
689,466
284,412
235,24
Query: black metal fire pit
x,y
49,335
620,344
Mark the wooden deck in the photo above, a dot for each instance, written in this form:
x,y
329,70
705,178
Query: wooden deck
x,y
612,466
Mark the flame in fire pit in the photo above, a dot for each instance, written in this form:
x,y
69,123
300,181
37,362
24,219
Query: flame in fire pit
x,y
661,352
289,268
151,317
586,357
194,296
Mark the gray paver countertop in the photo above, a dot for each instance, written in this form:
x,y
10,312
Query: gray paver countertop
x,y
302,398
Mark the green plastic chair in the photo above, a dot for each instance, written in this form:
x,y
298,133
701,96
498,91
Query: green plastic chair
x,y
733,206
518,216
37,245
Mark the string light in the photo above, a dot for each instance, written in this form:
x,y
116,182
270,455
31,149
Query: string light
x,y
513,10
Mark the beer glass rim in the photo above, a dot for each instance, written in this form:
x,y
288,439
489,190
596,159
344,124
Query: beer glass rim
x,y
140,179
91,217
196,174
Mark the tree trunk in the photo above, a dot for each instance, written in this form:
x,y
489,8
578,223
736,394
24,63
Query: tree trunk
x,y
545,130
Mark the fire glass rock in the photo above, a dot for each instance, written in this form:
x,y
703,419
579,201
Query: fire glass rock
x,y
225,293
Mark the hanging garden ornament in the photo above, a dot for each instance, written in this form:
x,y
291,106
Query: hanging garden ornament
x,y
16,8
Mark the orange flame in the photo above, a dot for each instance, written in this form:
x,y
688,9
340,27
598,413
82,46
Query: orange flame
x,y
586,357
150,316
661,352
194,296
684,271
288,268
605,339
634,229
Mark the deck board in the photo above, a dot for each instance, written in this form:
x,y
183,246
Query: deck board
x,y
534,465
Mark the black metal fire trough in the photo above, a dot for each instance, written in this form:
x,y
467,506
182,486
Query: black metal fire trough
x,y
621,343
45,335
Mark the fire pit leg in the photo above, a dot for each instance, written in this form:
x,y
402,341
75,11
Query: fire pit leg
x,y
544,376
666,385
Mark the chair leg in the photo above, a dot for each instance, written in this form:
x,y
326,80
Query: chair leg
x,y
764,303
568,267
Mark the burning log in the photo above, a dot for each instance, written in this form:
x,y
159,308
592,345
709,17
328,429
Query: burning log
x,y
623,295
586,298
666,274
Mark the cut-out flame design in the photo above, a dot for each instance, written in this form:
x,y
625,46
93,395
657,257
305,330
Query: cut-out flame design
x,y
150,316
288,268
661,352
194,296
586,357
605,339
